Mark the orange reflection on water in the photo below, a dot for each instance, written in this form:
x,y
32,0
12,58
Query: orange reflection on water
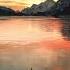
x,y
29,29
33,42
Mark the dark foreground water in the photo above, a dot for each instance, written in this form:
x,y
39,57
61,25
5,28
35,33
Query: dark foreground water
x,y
37,43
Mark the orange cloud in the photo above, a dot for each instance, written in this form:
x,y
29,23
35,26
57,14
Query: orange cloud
x,y
14,5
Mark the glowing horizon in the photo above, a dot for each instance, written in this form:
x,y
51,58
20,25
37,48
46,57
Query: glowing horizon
x,y
12,4
20,4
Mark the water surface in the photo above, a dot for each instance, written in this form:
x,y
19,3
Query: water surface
x,y
39,43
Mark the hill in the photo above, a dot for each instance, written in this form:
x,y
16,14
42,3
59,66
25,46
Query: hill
x,y
48,8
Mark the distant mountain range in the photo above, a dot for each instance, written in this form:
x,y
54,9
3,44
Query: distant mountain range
x,y
47,8
5,11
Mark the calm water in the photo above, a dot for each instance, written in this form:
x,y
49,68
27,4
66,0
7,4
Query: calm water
x,y
39,43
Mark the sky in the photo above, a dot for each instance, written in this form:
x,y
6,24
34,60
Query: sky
x,y
19,4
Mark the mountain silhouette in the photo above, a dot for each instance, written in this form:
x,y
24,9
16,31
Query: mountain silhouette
x,y
39,9
62,7
48,8
4,11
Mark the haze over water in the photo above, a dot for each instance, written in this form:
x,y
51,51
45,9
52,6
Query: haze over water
x,y
39,43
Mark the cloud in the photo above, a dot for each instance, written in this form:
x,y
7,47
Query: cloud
x,y
13,4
